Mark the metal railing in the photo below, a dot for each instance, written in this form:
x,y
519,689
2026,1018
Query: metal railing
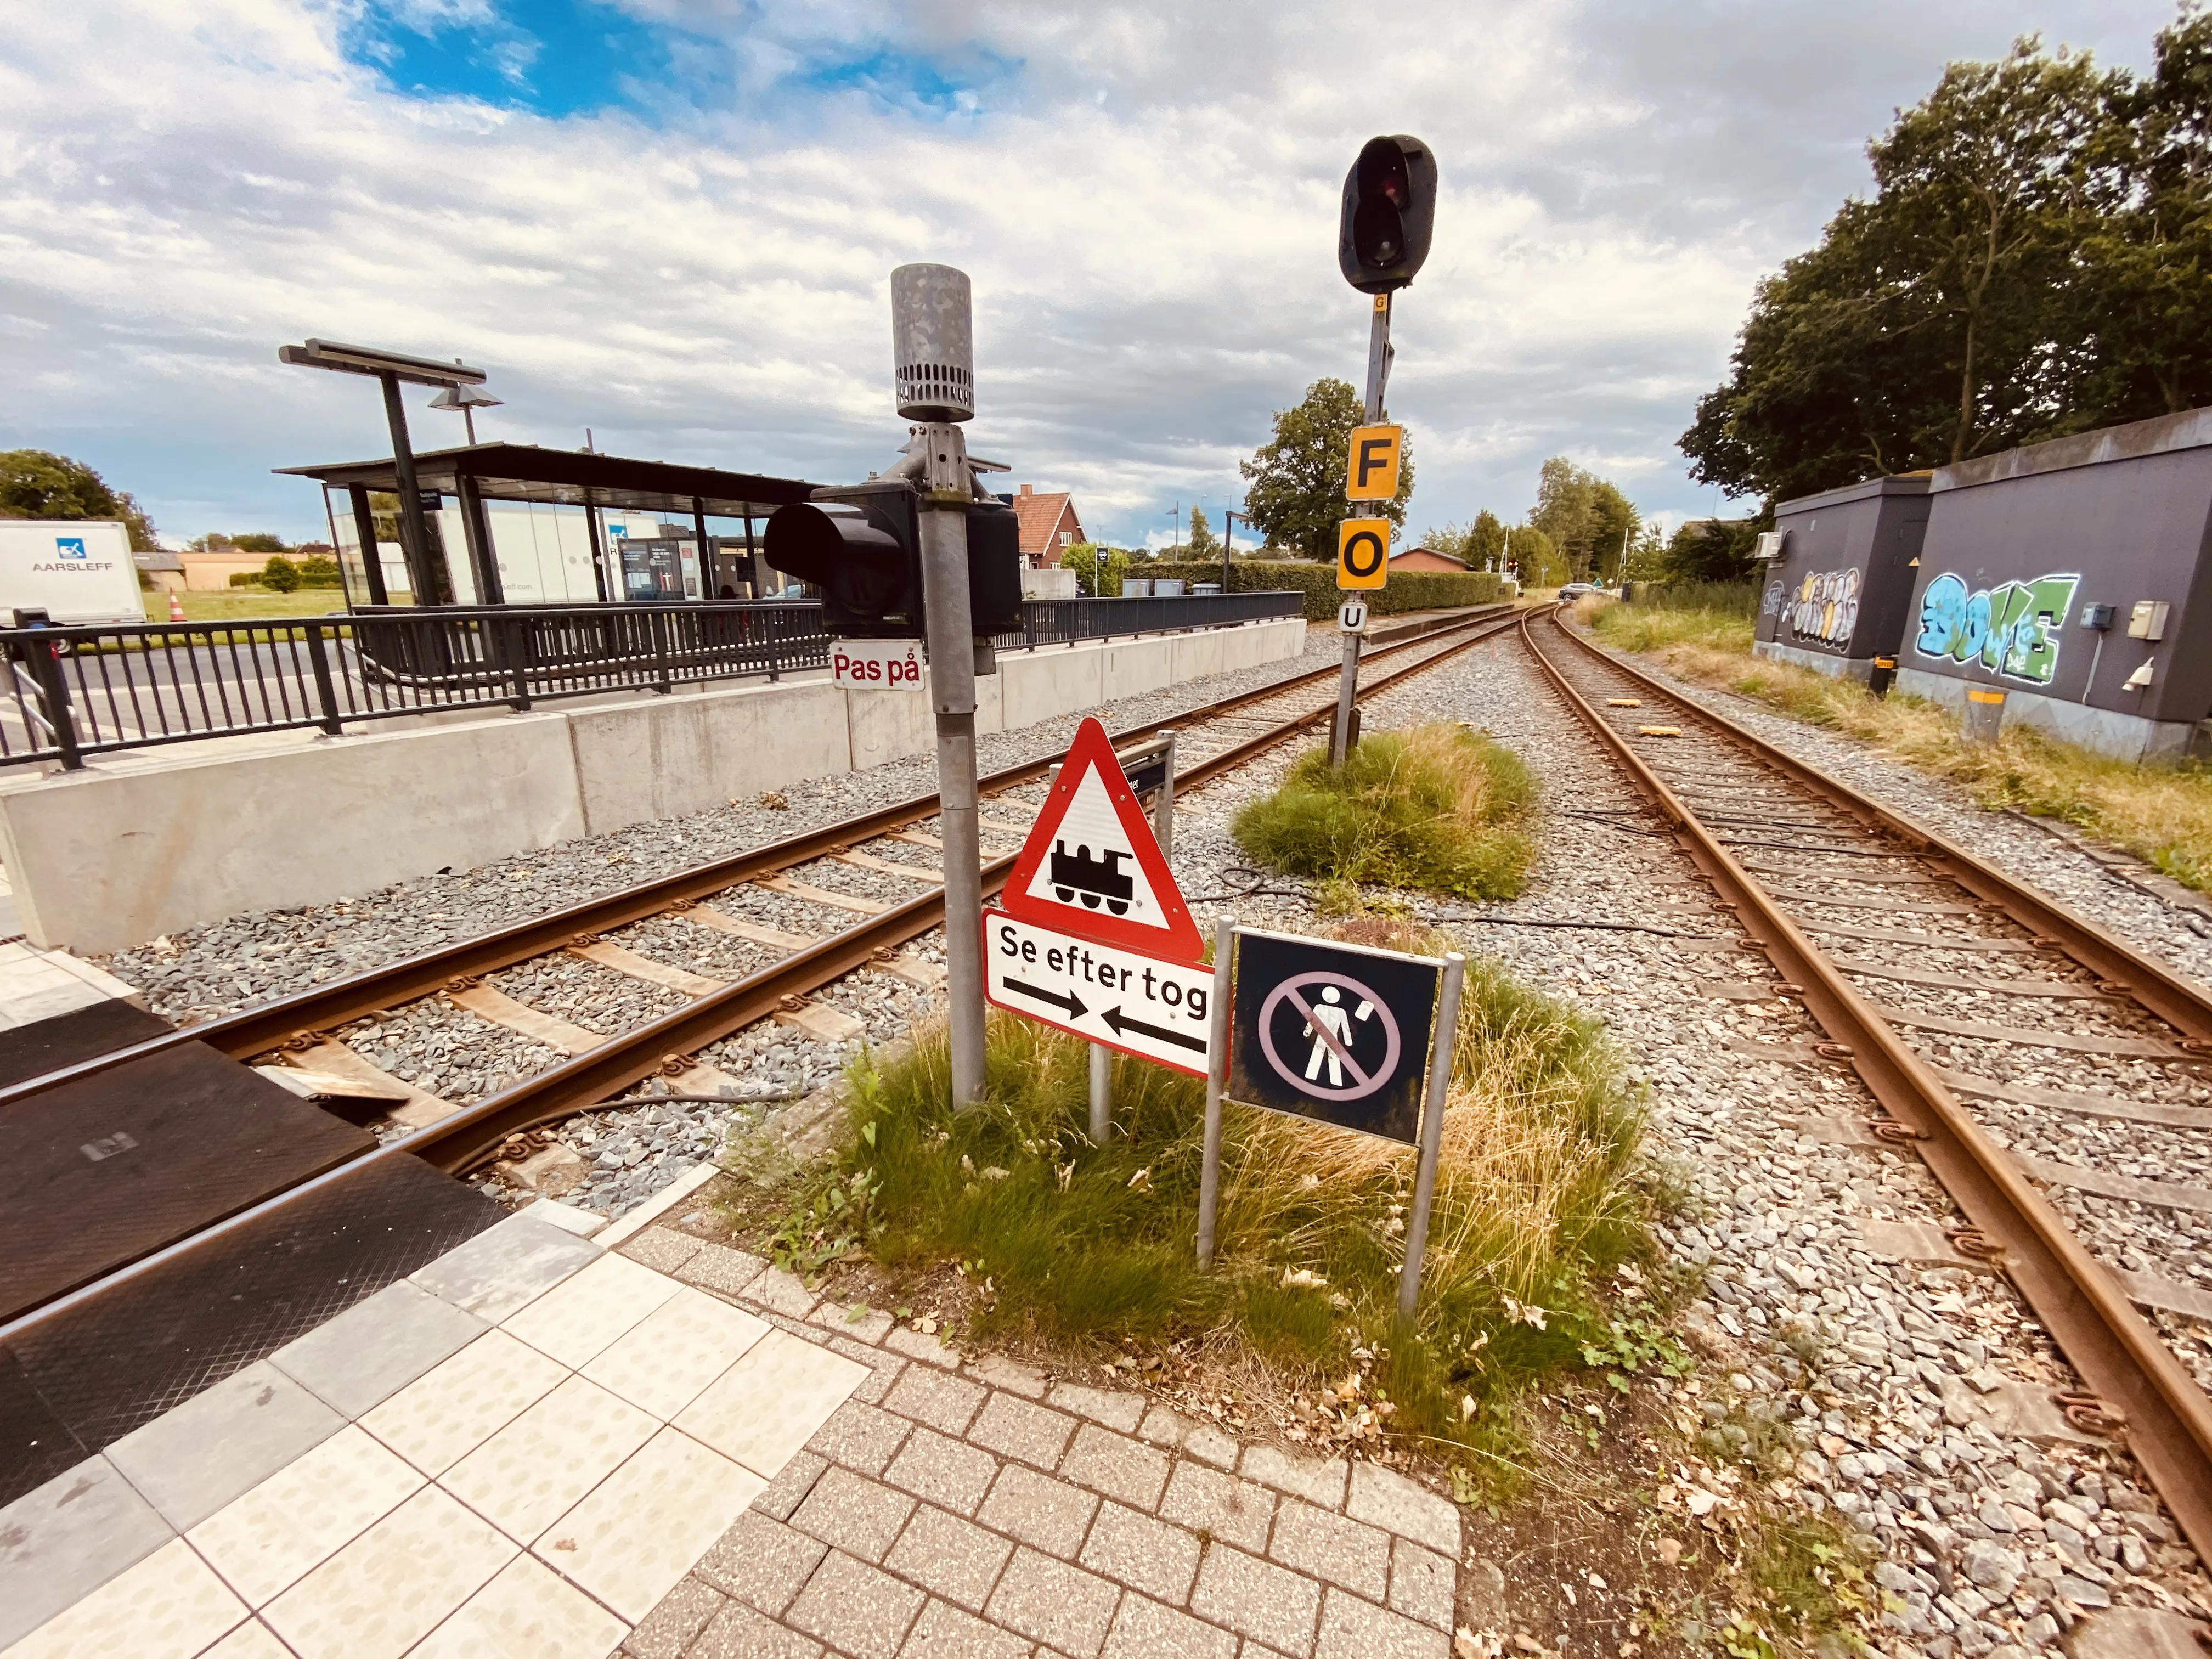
x,y
76,691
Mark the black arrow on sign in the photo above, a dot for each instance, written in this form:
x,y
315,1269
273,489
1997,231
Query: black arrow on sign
x,y
1067,1000
1118,1022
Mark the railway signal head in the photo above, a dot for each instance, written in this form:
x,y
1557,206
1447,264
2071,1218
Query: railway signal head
x,y
861,546
1389,210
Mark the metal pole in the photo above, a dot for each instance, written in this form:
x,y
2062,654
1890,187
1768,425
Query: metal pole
x,y
475,530
1216,1078
1347,686
706,552
414,533
1164,803
1440,1050
1101,1100
598,551
372,556
953,699
1228,544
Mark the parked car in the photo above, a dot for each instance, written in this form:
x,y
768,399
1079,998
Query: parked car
x,y
1576,590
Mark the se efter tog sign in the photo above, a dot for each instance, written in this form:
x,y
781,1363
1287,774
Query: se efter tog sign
x,y
1094,937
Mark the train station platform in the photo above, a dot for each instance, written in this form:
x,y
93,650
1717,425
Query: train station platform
x,y
544,1445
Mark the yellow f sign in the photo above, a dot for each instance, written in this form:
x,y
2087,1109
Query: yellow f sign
x,y
1363,552
1372,475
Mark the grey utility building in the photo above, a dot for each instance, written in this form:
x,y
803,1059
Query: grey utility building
x,y
1835,591
2073,577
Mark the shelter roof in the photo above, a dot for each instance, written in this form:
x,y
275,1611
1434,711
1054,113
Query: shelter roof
x,y
527,472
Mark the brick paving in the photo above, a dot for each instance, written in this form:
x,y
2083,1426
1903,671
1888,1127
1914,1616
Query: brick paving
x,y
955,1508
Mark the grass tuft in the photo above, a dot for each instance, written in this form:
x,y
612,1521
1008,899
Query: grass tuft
x,y
2159,811
1535,1211
1438,807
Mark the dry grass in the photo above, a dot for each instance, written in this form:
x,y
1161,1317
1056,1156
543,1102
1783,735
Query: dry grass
x,y
2162,813
1083,1244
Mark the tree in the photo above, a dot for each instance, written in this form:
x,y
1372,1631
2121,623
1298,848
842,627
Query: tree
x,y
1539,559
260,543
1297,477
1713,550
36,483
1475,546
1202,541
1945,317
1646,557
214,541
2148,266
280,575
1097,569
1585,517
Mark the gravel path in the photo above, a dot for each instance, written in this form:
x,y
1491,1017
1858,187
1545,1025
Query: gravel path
x,y
1880,1373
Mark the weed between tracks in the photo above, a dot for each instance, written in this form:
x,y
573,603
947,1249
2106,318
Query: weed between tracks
x,y
1531,1263
1437,806
2162,813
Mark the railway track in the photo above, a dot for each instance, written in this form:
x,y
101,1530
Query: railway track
x,y
1980,1015
890,844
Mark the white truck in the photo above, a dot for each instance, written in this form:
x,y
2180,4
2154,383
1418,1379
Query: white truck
x,y
75,570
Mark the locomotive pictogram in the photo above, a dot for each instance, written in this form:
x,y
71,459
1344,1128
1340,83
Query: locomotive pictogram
x,y
1094,880
1092,867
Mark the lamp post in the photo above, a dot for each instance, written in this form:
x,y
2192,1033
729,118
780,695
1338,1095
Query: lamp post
x,y
468,399
391,369
1229,517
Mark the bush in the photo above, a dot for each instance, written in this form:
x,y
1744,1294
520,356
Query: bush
x,y
1722,599
1408,590
1438,807
280,575
318,570
1096,565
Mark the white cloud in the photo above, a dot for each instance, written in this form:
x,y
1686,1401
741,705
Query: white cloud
x,y
1144,195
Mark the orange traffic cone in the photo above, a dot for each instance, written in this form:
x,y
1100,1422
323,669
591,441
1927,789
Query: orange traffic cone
x,y
176,607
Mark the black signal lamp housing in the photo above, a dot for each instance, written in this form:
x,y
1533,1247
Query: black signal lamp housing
x,y
1388,213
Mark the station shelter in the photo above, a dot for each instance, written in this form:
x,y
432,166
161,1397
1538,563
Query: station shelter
x,y
517,523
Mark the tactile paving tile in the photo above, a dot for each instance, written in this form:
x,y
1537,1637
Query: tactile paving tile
x,y
102,1171
121,1359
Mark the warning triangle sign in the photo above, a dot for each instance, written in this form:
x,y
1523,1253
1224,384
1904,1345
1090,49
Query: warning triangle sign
x,y
1091,868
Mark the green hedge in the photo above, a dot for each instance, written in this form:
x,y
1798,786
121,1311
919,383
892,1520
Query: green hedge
x,y
1408,590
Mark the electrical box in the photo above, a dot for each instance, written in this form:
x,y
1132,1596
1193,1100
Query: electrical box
x,y
2099,617
2148,622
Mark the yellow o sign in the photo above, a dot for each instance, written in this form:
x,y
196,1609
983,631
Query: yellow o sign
x,y
1363,553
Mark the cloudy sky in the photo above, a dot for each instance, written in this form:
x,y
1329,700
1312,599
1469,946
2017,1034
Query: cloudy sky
x,y
672,220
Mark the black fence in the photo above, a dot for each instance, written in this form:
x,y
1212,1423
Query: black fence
x,y
89,690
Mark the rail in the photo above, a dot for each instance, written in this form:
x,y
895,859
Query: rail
x,y
2087,1311
83,690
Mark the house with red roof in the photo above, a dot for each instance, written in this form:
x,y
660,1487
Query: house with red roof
x,y
1049,526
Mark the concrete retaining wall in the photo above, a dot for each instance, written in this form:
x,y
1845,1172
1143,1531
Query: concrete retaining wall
x,y
2106,731
150,842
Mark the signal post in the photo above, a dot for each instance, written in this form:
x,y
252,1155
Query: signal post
x,y
1383,237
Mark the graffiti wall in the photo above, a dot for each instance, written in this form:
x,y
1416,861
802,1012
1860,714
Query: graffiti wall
x,y
2011,629
1825,607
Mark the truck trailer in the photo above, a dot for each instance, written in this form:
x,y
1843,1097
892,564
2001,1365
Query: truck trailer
x,y
75,570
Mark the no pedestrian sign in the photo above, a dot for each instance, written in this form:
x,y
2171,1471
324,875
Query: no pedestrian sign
x,y
1138,1004
1334,1032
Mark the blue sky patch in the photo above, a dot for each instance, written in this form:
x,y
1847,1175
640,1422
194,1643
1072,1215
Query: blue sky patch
x,y
561,58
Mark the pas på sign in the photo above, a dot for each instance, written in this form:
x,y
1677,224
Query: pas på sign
x,y
875,664
1144,1005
